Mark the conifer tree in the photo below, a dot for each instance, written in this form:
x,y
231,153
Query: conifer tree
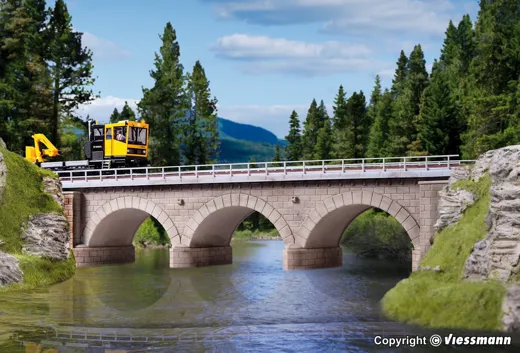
x,y
70,66
201,135
378,140
278,157
293,151
115,116
323,148
311,126
404,123
341,131
127,113
400,76
374,98
164,105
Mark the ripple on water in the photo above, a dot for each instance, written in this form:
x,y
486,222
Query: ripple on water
x,y
249,306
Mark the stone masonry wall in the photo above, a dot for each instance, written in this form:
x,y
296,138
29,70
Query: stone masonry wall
x,y
107,255
278,194
429,213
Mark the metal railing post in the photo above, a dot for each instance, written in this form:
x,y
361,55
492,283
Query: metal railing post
x,y
404,163
449,163
343,166
248,169
197,171
323,167
384,170
363,165
213,170
230,170
426,162
285,168
304,168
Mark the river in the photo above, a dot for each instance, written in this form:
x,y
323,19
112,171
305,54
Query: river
x,y
250,306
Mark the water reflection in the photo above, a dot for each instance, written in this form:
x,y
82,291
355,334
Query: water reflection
x,y
252,305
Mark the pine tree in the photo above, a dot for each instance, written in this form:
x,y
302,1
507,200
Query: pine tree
x,y
164,105
323,148
451,49
400,76
374,99
25,92
323,116
277,155
404,124
127,113
115,116
341,131
310,130
378,141
494,72
201,138
357,110
293,151
439,132
70,64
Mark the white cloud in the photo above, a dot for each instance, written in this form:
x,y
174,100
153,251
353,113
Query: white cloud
x,y
103,48
359,17
274,118
261,54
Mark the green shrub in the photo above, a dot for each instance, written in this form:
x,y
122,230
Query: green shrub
x,y
150,233
379,235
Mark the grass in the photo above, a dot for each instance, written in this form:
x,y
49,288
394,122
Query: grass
x,y
443,299
24,196
40,272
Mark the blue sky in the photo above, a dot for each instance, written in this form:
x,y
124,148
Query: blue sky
x,y
263,58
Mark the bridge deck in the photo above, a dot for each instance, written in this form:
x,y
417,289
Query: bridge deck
x,y
382,168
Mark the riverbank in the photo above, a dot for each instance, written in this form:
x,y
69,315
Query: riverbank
x,y
256,235
34,236
441,297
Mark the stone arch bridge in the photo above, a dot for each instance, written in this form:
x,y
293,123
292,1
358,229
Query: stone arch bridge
x,y
200,210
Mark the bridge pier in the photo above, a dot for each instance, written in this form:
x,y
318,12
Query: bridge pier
x,y
303,259
184,257
88,256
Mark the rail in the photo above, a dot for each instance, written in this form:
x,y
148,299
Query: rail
x,y
387,164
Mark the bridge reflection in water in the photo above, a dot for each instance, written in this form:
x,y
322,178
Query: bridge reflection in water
x,y
250,305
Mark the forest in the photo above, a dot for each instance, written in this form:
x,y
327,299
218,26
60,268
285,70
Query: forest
x,y
468,104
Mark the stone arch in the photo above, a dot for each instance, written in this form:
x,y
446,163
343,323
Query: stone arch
x,y
325,224
214,223
125,214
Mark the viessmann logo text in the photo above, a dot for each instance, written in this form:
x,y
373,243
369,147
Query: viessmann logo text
x,y
437,340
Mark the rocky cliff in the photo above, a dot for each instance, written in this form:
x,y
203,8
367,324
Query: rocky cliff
x,y
44,233
496,257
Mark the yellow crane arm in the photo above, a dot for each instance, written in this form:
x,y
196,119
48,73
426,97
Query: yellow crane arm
x,y
36,153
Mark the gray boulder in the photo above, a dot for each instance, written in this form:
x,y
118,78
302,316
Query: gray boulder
x,y
47,235
499,252
511,309
53,187
10,271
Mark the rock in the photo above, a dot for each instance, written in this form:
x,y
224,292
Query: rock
x,y
47,235
452,204
511,309
10,271
498,253
3,177
2,144
482,165
53,187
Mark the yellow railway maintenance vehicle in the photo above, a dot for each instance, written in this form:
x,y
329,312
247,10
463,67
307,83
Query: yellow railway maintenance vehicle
x,y
118,145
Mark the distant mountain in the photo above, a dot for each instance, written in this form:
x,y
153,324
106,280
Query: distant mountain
x,y
238,131
241,142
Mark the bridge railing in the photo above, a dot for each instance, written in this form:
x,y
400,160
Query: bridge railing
x,y
386,164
